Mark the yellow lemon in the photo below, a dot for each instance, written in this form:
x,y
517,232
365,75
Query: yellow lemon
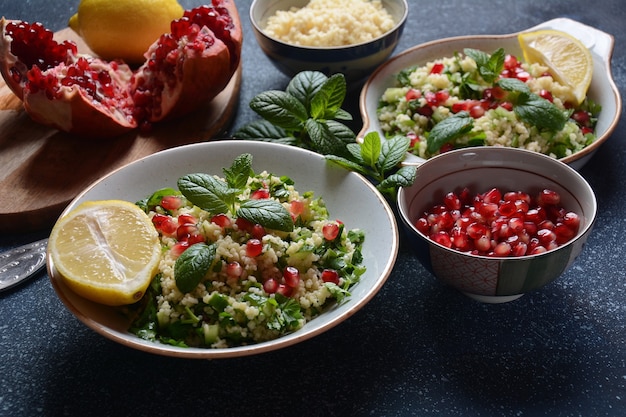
x,y
106,251
569,61
123,29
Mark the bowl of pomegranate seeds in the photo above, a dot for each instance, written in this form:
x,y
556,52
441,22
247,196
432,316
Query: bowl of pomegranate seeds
x,y
482,91
352,37
496,223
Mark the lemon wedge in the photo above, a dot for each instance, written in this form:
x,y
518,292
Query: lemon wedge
x,y
569,61
106,251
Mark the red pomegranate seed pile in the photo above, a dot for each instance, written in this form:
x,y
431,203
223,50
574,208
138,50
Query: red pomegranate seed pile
x,y
499,224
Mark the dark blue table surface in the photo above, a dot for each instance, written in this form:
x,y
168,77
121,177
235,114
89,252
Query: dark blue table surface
x,y
418,348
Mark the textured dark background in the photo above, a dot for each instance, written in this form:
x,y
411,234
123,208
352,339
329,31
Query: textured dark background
x,y
418,348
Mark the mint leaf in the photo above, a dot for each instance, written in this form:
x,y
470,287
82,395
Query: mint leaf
x,y
393,152
370,149
513,84
449,129
207,192
489,66
280,108
340,131
265,131
539,112
328,100
268,213
304,85
240,170
404,177
192,265
347,164
322,138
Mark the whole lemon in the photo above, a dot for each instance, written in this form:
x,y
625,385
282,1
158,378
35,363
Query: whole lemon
x,y
123,29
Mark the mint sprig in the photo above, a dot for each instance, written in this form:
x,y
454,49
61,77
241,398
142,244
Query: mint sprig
x,y
308,114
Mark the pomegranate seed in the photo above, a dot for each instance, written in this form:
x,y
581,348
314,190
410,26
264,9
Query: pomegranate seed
x,y
483,243
519,249
270,286
258,231
572,220
516,224
563,233
330,231
330,275
437,68
546,95
284,290
442,238
502,249
234,269
244,225
179,248
476,111
171,202
507,208
254,248
452,201
165,224
291,276
548,197
537,250
412,94
221,220
492,196
260,194
296,208
186,230
546,236
582,118
186,219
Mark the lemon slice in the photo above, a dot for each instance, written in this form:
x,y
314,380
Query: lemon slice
x,y
569,61
106,251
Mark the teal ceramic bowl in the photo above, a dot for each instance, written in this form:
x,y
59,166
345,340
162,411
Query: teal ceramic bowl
x,y
356,62
495,279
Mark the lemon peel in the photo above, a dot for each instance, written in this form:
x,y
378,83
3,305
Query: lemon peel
x,y
107,251
569,61
123,29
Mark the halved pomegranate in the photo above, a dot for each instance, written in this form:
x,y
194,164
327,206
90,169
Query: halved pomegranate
x,y
85,95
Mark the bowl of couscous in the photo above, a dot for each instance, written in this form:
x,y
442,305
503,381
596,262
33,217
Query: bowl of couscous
x,y
497,223
289,256
352,37
444,80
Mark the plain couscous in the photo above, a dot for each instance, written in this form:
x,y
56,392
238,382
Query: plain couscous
x,y
327,23
525,111
226,279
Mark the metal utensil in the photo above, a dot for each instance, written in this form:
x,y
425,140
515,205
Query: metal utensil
x,y
19,264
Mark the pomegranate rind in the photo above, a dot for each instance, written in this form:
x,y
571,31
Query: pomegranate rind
x,y
71,109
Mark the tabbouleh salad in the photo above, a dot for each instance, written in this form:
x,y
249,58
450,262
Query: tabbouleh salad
x,y
478,99
246,258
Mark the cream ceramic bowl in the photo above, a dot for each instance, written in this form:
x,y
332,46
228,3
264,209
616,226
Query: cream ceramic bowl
x,y
343,191
355,62
602,89
491,279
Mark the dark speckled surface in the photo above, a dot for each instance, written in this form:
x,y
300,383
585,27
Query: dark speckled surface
x,y
418,348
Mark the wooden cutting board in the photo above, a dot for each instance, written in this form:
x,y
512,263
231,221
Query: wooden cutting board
x,y
43,169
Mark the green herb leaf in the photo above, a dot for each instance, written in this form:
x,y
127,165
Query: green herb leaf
x,y
513,84
449,129
404,177
370,149
540,112
207,192
268,213
393,152
240,170
192,265
305,85
280,108
265,131
322,138
347,164
489,66
328,100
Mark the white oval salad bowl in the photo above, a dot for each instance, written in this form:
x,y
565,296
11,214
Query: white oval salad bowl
x,y
602,90
344,193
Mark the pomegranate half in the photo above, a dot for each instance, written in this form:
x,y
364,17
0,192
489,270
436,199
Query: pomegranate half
x,y
85,95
